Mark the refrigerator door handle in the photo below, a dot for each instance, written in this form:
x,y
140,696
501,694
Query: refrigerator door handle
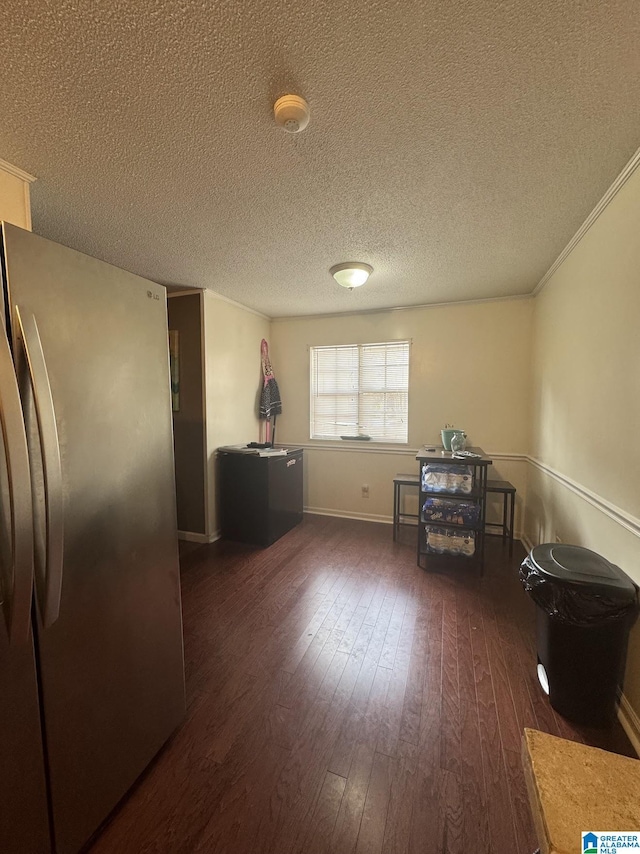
x,y
52,466
18,608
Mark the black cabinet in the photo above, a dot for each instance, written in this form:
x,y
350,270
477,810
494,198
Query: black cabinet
x,y
260,498
452,507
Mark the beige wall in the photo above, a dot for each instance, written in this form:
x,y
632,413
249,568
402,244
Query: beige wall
x,y
469,365
233,376
586,399
15,206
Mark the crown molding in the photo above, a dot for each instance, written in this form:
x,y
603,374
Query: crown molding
x,y
188,292
178,291
608,197
17,172
236,304
360,312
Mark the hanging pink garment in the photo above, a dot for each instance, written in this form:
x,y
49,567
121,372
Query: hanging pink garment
x,y
270,402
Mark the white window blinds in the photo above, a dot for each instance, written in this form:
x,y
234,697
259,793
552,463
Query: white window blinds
x,y
360,389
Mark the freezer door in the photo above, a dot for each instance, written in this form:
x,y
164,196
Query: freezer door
x,y
90,344
24,824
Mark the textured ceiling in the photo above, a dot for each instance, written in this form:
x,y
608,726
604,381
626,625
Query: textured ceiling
x,y
454,145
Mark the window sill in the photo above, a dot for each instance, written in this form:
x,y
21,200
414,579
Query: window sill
x,y
342,445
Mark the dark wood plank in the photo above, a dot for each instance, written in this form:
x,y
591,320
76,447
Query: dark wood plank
x,y
475,819
525,831
501,822
353,802
391,721
450,758
351,724
412,706
374,816
323,817
402,773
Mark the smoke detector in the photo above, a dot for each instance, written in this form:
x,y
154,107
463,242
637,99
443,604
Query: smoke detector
x,y
291,113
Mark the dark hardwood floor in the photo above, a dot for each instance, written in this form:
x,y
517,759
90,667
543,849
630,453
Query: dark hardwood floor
x,y
340,699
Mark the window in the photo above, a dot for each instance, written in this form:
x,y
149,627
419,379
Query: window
x,y
360,389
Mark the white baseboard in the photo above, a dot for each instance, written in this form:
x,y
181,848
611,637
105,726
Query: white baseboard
x,y
345,514
630,722
192,537
384,520
526,542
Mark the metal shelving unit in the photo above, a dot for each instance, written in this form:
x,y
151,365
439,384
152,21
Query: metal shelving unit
x,y
477,496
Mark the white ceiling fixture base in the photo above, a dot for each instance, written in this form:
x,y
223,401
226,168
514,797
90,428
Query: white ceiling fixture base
x,y
291,113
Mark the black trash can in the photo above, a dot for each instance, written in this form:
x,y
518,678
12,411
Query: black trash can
x,y
585,609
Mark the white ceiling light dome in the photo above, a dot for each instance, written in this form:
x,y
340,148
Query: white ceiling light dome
x,y
291,113
351,274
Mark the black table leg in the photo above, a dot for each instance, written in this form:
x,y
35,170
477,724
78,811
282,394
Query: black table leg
x,y
513,510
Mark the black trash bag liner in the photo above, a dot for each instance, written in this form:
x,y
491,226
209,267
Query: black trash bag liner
x,y
575,604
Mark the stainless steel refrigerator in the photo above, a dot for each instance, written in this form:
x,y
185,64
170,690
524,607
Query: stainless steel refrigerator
x,y
91,664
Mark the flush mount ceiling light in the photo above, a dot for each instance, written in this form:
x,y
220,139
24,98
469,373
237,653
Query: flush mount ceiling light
x,y
351,274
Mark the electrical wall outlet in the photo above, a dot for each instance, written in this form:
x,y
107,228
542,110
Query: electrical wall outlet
x,y
365,490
